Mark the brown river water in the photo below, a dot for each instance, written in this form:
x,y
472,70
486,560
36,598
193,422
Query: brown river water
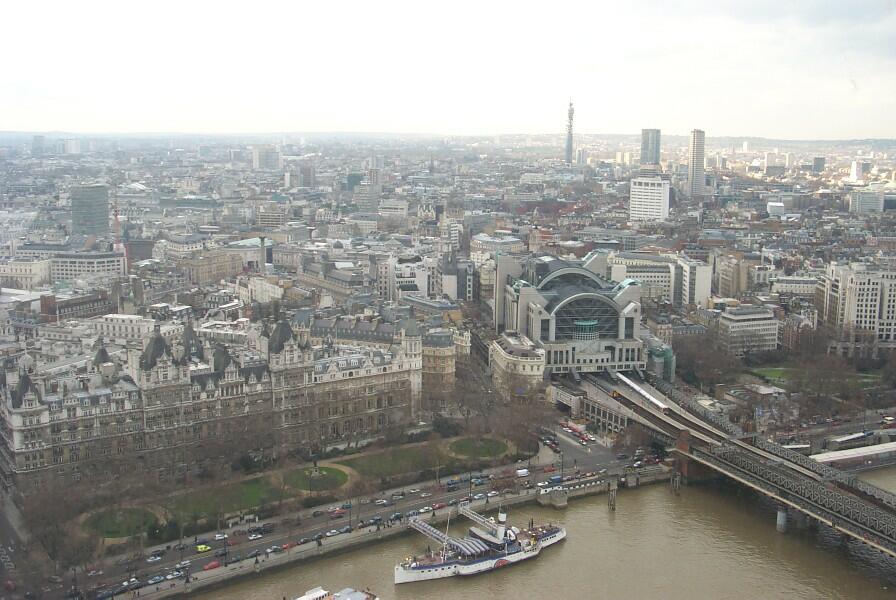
x,y
710,541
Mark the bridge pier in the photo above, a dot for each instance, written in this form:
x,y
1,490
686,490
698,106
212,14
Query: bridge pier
x,y
781,521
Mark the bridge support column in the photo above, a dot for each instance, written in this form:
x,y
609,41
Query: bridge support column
x,y
781,521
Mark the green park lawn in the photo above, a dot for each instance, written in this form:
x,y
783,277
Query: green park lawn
x,y
120,522
400,460
227,498
479,448
785,374
329,479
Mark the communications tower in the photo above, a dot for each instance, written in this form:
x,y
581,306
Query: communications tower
x,y
569,134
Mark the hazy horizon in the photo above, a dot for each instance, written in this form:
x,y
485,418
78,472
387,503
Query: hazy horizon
x,y
805,72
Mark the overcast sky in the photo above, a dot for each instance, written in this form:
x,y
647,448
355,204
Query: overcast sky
x,y
774,68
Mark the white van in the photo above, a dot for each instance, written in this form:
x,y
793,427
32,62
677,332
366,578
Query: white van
x,y
522,472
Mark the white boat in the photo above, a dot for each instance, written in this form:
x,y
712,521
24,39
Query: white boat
x,y
490,546
320,593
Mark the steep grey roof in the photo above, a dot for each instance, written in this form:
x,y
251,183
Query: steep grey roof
x,y
280,336
21,390
192,343
101,356
410,327
155,349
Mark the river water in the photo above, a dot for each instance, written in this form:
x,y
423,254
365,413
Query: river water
x,y
712,541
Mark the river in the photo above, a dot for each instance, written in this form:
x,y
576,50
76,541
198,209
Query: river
x,y
712,541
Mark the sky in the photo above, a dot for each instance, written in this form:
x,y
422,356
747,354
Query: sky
x,y
771,68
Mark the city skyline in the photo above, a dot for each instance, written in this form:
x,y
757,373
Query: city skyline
x,y
273,70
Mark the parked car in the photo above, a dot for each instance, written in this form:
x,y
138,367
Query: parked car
x,y
212,565
220,536
438,505
255,536
175,574
479,496
155,579
346,529
332,533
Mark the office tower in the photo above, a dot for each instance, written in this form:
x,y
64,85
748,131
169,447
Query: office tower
x,y
71,146
90,210
788,160
818,164
569,134
866,201
265,158
746,147
650,146
857,170
37,145
581,156
696,166
648,199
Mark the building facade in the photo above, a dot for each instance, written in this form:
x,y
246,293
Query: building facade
x,y
648,199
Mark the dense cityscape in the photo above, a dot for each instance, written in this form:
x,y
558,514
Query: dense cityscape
x,y
376,301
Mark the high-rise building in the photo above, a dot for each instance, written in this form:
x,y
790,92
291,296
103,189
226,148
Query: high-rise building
x,y
90,210
648,199
569,150
71,146
265,158
857,170
857,302
650,146
818,164
696,166
863,202
37,145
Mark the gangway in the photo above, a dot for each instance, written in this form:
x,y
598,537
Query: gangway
x,y
465,546
474,516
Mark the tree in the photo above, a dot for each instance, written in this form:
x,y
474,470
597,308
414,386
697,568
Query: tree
x,y
703,362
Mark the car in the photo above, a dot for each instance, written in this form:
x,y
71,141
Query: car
x,y
346,506
414,491
479,496
375,519
382,502
621,456
179,547
542,484
337,514
182,564
413,513
550,469
212,565
346,529
425,494
154,558
602,471
203,548
583,442
438,505
397,496
492,494
220,536
201,541
175,574
221,552
318,537
317,513
464,499
155,579
332,533
253,554
303,540
287,546
255,536
333,509
396,516
94,573
426,509
452,502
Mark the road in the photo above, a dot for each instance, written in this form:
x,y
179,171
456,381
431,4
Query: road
x,y
575,456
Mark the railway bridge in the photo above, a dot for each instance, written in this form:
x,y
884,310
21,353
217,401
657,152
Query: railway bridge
x,y
704,440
